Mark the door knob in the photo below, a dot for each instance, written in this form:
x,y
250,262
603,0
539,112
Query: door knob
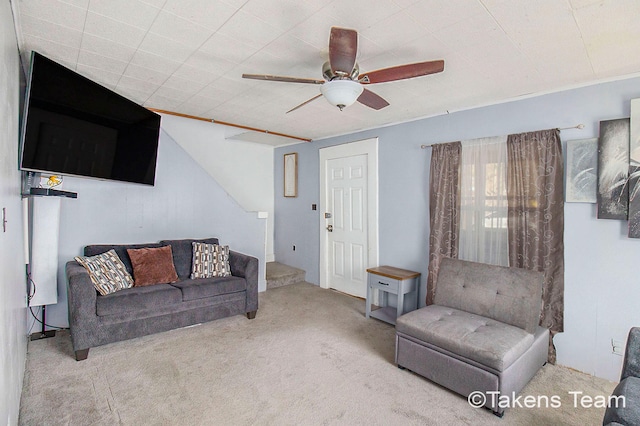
x,y
330,228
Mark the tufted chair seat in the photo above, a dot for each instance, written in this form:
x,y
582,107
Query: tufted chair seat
x,y
483,340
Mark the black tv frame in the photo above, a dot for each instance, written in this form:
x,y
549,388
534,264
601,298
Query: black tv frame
x,y
91,131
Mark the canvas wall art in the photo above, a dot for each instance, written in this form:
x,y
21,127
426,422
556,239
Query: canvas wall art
x,y
613,169
581,180
634,170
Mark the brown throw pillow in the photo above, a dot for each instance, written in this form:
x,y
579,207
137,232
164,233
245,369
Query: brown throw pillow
x,y
152,266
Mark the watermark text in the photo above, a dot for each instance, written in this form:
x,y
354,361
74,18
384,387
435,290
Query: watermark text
x,y
578,399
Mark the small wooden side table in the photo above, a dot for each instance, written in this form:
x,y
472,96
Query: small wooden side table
x,y
389,279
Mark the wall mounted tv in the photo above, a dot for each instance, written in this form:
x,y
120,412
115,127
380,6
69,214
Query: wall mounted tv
x,y
74,126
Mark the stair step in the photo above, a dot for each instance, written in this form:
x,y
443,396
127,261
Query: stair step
x,y
279,274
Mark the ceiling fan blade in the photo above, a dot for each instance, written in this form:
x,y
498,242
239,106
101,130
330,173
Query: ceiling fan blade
x,y
372,100
402,72
304,103
281,78
343,47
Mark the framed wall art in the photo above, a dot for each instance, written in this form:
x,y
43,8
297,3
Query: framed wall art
x,y
582,171
634,170
291,174
613,169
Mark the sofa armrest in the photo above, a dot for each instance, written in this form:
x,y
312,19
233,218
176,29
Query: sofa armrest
x,y
631,365
81,296
246,267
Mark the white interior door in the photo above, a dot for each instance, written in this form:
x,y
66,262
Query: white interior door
x,y
348,224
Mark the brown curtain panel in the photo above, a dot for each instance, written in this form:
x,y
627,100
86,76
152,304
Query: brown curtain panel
x,y
444,208
536,218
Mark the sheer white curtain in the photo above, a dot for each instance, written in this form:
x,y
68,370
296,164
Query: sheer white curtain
x,y
483,206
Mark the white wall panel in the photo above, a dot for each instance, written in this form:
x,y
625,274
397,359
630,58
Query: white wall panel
x,y
44,250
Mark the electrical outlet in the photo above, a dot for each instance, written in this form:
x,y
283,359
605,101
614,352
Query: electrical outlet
x,y
617,347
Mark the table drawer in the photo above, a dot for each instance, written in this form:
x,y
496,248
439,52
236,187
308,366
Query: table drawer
x,y
383,283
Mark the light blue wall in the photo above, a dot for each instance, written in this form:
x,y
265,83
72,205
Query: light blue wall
x,y
186,202
13,288
602,288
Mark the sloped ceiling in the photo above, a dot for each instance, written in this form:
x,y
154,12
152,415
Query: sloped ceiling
x,y
188,56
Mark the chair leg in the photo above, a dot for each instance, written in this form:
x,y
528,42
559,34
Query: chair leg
x,y
82,354
251,314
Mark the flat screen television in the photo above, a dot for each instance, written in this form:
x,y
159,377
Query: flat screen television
x,y
74,126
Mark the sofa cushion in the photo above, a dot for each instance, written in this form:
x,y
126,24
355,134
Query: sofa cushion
x,y
627,413
121,251
152,266
210,260
508,295
483,340
138,298
201,288
182,253
107,272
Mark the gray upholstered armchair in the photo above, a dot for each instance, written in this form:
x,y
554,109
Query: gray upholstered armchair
x,y
627,411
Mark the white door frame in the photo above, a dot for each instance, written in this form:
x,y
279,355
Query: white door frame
x,y
368,147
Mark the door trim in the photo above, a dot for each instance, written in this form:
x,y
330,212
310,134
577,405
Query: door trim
x,y
368,147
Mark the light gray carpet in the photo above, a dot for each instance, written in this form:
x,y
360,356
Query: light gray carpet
x,y
309,357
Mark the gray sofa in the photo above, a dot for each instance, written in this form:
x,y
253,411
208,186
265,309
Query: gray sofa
x,y
624,406
96,320
481,335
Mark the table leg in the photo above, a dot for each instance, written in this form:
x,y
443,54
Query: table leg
x,y
368,301
400,308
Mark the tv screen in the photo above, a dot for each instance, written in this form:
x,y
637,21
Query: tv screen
x,y
74,126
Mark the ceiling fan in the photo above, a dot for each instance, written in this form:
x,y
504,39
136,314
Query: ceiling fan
x,y
343,83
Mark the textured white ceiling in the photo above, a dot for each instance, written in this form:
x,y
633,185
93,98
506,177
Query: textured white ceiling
x,y
188,56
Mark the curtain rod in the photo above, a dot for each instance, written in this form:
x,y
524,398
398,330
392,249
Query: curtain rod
x,y
577,126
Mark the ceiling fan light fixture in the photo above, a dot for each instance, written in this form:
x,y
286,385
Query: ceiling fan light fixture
x,y
341,93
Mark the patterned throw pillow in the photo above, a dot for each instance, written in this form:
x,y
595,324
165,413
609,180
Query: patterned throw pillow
x,y
210,260
107,272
